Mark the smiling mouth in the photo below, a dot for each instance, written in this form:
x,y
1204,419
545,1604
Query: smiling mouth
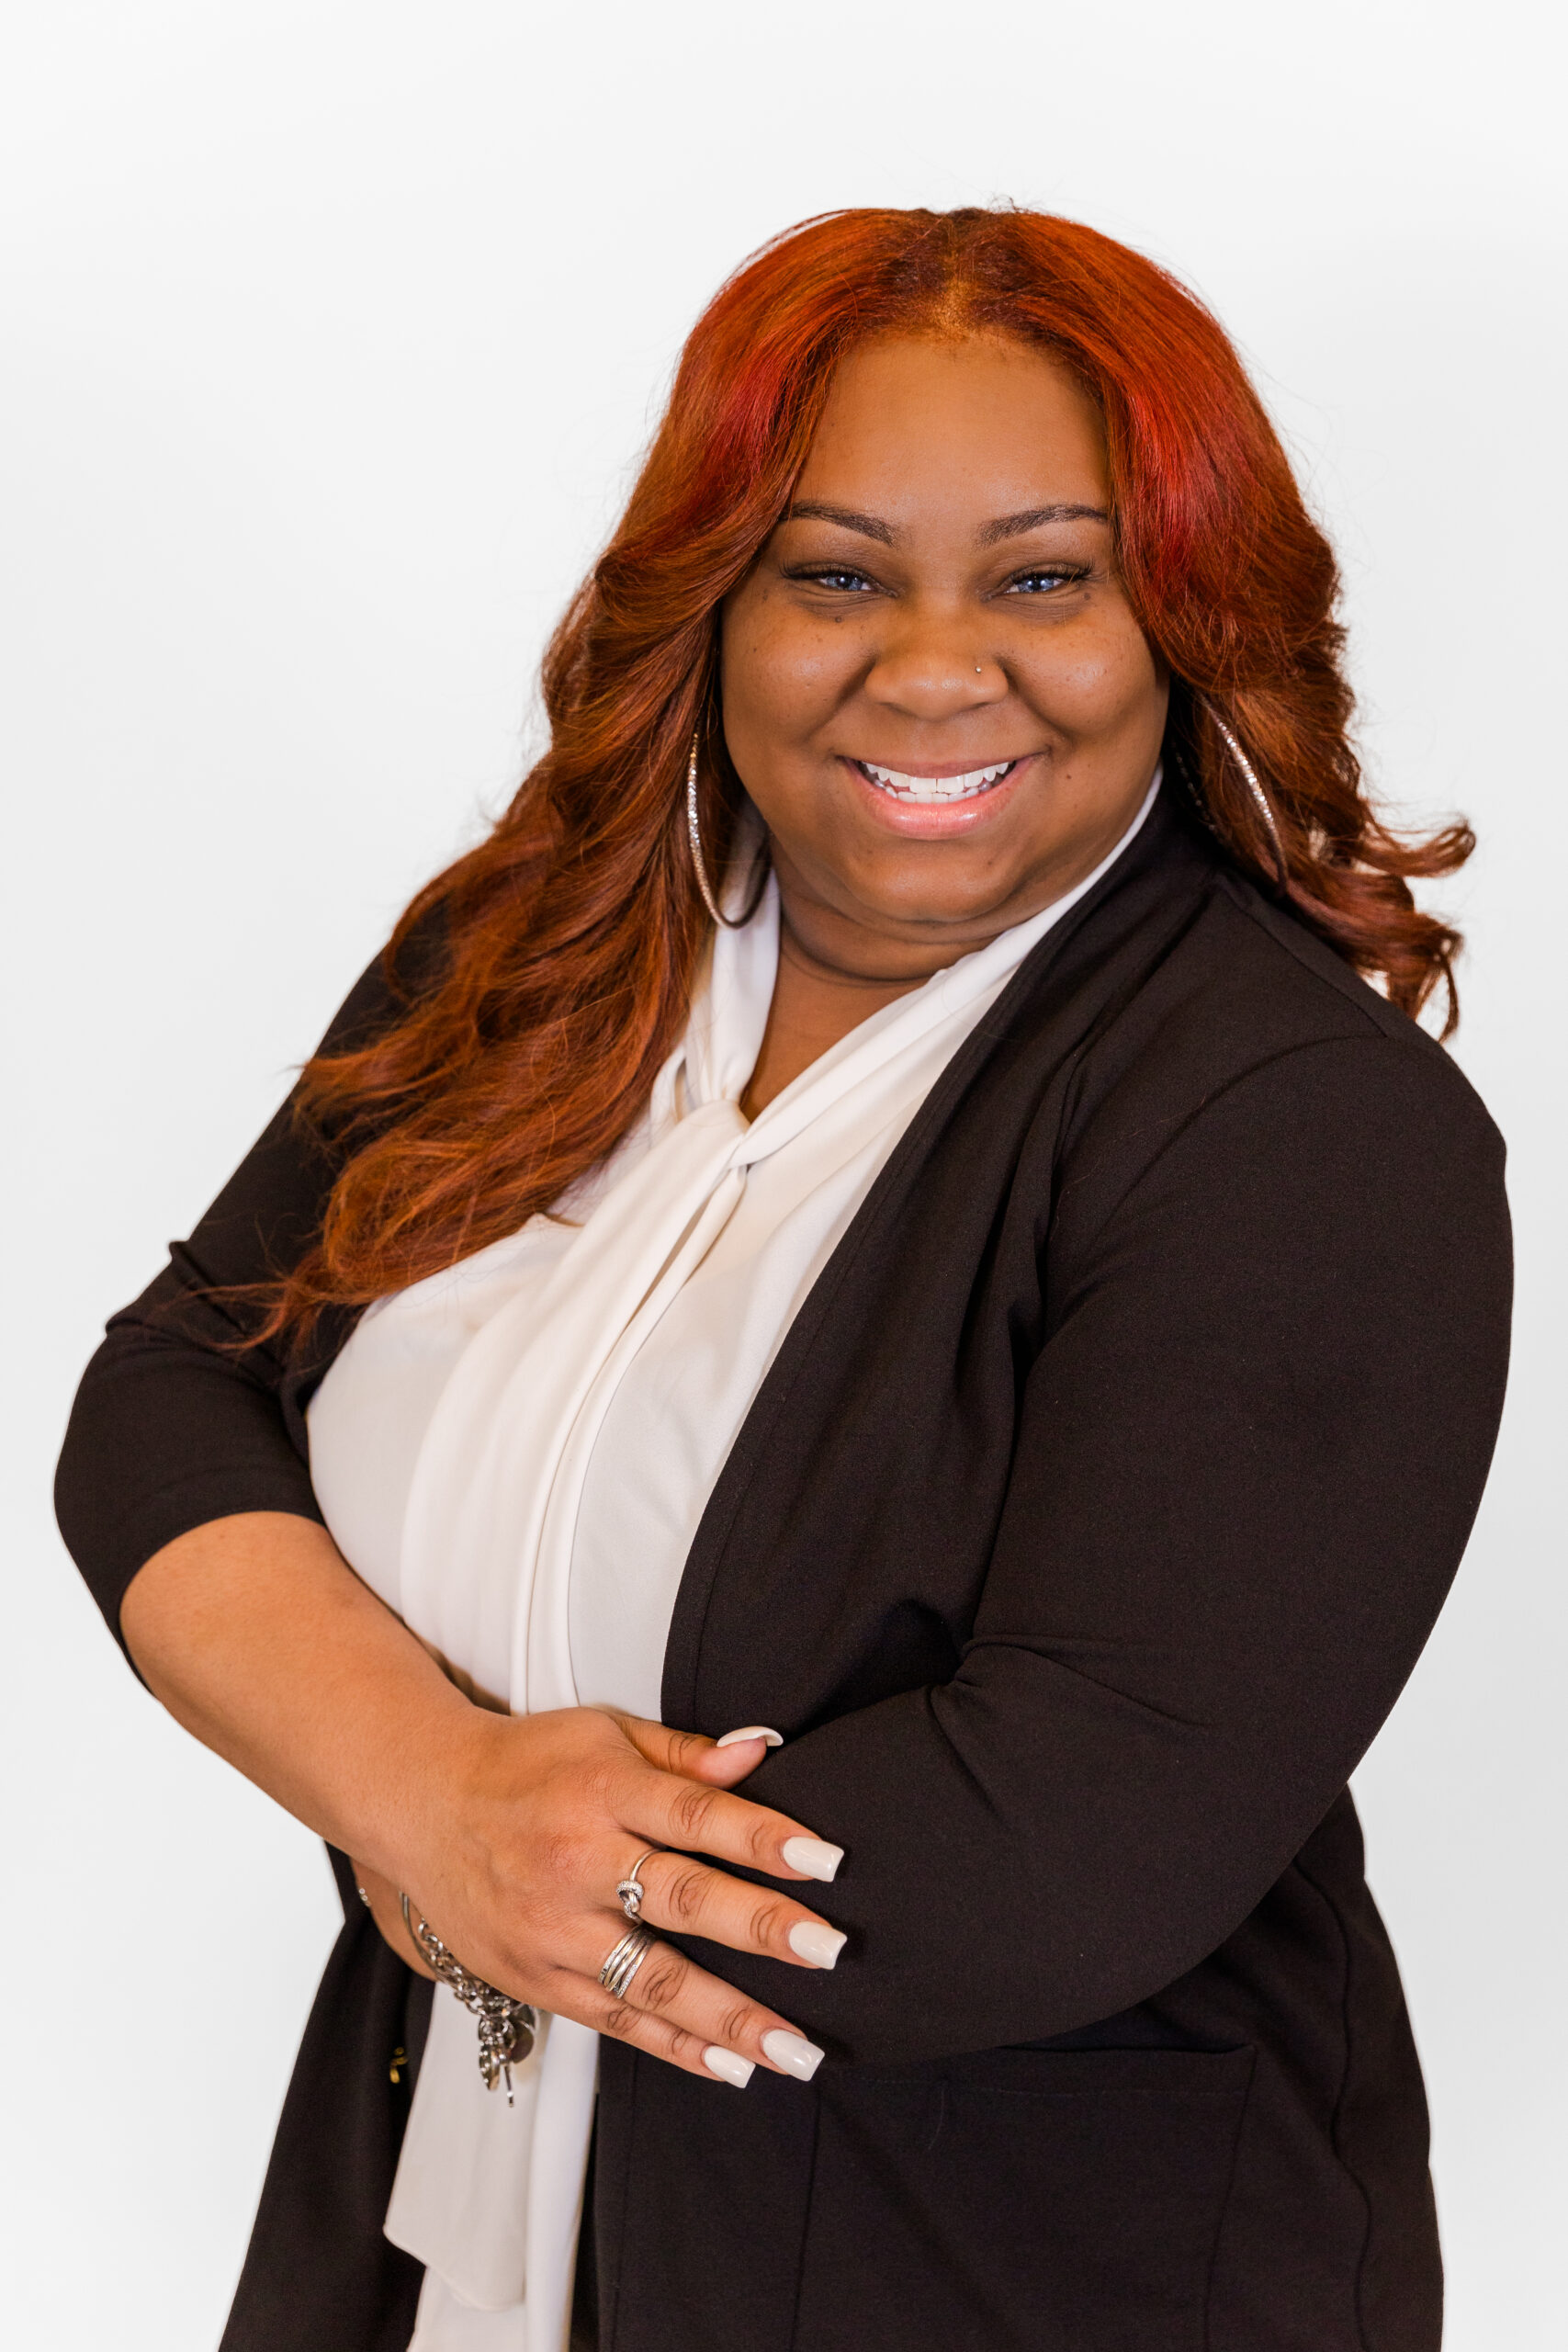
x,y
934,789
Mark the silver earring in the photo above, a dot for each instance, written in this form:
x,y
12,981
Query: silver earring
x,y
730,923
1249,777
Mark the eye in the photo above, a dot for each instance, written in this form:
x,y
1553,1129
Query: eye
x,y
836,577
1045,578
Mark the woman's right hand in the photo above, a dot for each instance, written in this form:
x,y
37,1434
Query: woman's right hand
x,y
516,1867
509,1832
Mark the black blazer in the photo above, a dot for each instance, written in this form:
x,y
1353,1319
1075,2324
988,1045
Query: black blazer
x,y
1094,1512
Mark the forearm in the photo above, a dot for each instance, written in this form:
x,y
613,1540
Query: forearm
x,y
1026,1853
256,1636
1030,1849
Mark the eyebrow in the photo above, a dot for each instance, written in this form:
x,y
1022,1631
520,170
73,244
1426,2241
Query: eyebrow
x,y
870,527
1012,527
1006,526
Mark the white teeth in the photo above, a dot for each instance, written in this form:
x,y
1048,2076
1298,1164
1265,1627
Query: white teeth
x,y
935,787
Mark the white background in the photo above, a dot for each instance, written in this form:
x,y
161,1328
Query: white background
x,y
332,334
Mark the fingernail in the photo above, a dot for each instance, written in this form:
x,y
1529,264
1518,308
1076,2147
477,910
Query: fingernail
x,y
809,1940
729,2065
813,1857
793,2052
751,1731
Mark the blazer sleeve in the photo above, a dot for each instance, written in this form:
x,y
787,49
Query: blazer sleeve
x,y
1249,1458
177,1420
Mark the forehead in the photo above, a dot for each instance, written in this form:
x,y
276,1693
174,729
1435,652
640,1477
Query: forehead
x,y
981,421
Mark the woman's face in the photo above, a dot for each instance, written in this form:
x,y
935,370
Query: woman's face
x,y
934,688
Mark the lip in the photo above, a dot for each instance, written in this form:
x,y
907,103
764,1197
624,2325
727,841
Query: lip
x,y
930,820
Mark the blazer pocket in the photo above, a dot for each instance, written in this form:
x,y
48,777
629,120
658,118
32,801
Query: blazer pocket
x,y
1020,2201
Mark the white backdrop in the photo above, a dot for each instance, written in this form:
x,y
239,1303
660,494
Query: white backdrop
x,y
333,332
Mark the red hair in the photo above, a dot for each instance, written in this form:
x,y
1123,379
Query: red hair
x,y
569,939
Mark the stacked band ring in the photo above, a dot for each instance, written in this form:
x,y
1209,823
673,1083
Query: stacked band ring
x,y
625,1962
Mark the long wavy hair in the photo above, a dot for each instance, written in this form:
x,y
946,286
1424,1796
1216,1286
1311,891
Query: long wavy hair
x,y
567,941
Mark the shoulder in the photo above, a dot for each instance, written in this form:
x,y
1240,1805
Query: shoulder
x,y
1288,965
410,966
1250,1045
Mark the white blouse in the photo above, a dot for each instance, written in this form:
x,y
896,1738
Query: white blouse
x,y
515,1455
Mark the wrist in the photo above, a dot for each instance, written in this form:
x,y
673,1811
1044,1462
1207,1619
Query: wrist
x,y
418,1785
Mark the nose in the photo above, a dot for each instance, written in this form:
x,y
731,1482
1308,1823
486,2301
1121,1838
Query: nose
x,y
932,667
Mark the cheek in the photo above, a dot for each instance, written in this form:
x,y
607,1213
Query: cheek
x,y
780,676
1094,680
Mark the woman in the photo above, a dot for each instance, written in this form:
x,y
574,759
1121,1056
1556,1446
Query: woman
x,y
871,1247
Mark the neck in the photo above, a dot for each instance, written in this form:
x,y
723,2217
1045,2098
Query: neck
x,y
816,1000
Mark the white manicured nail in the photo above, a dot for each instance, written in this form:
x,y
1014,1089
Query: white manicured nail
x,y
793,2052
809,1940
729,2065
813,1857
752,1731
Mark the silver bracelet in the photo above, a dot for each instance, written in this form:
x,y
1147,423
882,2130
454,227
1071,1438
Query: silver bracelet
x,y
506,2027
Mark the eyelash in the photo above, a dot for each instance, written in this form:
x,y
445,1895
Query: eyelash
x,y
1063,575
823,574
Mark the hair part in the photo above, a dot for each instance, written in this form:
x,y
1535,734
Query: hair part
x,y
568,939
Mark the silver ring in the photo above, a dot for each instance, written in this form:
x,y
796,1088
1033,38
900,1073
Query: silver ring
x,y
631,1889
625,1960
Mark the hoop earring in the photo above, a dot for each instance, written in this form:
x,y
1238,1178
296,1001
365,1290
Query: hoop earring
x,y
1249,777
693,833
